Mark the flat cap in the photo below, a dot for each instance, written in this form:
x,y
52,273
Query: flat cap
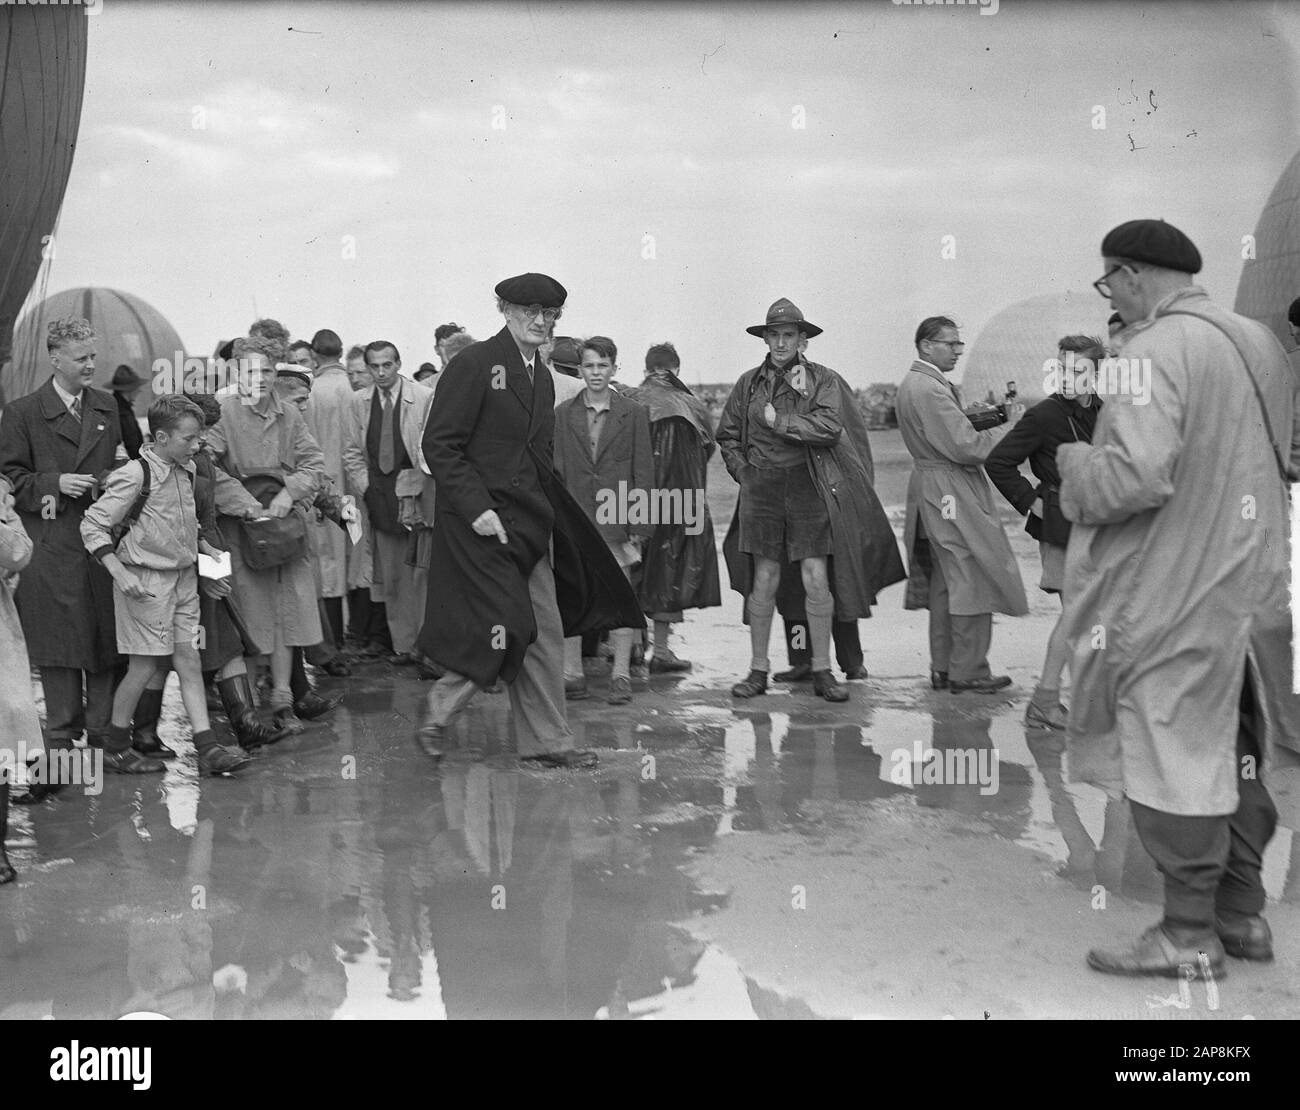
x,y
1155,243
529,289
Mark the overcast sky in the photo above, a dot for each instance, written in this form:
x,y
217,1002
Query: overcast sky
x,y
336,165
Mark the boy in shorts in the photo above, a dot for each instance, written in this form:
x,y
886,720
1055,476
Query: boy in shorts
x,y
156,583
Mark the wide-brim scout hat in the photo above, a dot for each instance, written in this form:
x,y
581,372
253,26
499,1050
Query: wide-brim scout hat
x,y
785,312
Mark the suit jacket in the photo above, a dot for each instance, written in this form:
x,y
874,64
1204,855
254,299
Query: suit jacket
x,y
623,454
414,403
488,445
64,597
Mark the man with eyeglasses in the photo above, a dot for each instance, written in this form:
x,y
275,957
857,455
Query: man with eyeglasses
x,y
1178,577
517,562
960,565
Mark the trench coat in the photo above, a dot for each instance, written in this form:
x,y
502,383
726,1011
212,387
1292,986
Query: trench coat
x,y
279,605
343,566
951,497
1178,563
489,444
864,551
18,718
65,597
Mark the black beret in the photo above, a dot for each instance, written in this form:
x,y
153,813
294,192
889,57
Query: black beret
x,y
529,289
1154,242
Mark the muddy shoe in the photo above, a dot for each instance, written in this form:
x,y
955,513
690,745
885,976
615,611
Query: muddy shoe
x,y
222,759
575,760
1157,953
337,667
620,690
858,674
1046,716
666,662
1246,938
311,706
990,685
825,686
800,672
131,762
753,685
575,689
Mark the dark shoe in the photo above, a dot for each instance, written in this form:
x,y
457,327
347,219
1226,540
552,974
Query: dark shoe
x,y
800,672
1157,953
130,762
858,674
144,725
575,689
668,663
825,686
429,669
311,706
237,700
403,659
989,685
337,667
431,739
1046,716
1247,938
37,792
222,759
938,680
286,722
754,684
620,690
575,760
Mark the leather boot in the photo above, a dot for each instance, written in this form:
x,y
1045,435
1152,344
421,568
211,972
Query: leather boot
x,y
237,699
120,757
7,872
144,722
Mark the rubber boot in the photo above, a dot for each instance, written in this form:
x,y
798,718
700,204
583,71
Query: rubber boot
x,y
237,700
145,724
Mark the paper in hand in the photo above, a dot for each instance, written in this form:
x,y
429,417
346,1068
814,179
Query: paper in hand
x,y
218,567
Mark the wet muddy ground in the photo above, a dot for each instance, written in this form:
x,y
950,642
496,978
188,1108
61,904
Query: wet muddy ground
x,y
775,858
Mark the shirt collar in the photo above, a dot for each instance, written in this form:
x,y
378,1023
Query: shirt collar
x,y
394,391
149,452
602,406
528,360
64,396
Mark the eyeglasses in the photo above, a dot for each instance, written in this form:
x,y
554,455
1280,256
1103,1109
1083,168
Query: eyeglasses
x,y
1102,284
953,343
532,311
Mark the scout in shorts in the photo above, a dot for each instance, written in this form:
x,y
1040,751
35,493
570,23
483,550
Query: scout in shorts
x,y
156,582
603,453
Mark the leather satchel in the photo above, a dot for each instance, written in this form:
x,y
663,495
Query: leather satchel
x,y
279,540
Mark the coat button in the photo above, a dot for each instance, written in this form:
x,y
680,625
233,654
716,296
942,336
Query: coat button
x,y
514,481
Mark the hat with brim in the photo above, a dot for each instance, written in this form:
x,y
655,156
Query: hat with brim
x,y
125,379
785,312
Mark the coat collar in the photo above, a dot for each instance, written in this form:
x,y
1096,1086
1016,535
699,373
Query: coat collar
x,y
507,355
930,371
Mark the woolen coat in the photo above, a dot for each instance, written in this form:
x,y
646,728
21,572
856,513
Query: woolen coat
x,y
279,604
343,566
864,556
18,717
489,444
623,454
950,495
1178,563
65,597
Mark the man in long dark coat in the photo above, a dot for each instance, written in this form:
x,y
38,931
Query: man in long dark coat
x,y
679,568
517,562
56,447
804,497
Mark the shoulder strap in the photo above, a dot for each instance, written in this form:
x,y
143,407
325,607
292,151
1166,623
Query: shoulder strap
x,y
1282,468
140,498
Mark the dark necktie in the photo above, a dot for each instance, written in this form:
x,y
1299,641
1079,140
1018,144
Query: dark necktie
x,y
386,436
76,408
529,367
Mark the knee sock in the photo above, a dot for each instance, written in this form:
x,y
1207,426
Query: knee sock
x,y
205,739
820,614
760,632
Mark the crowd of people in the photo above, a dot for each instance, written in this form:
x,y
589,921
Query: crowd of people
x,y
487,522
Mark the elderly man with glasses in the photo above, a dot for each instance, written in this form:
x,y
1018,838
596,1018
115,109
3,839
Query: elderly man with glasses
x,y
960,564
518,564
